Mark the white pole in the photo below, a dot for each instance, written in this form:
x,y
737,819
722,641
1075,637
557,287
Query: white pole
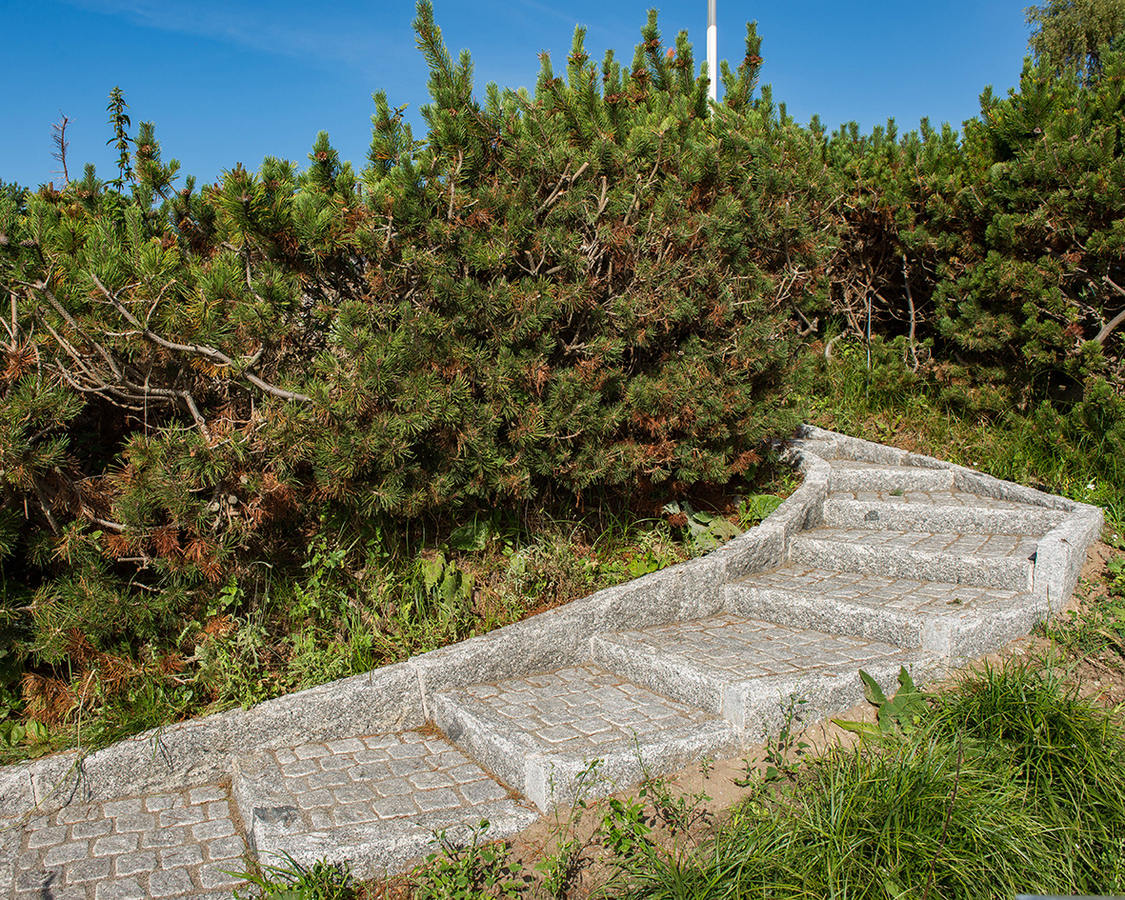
x,y
712,51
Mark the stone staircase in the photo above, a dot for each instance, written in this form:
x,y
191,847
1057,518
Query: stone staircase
x,y
881,559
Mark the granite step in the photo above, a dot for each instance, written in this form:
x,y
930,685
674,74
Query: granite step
x,y
944,511
1002,561
373,801
939,619
749,671
850,475
578,731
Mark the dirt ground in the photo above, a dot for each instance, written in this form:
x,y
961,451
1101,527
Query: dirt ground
x,y
561,855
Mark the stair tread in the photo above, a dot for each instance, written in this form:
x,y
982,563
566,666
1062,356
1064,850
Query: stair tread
x,y
739,648
844,463
937,498
370,799
553,736
881,591
579,710
744,668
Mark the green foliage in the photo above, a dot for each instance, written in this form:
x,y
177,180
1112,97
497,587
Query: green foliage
x,y
571,297
755,508
783,752
466,870
120,122
679,813
1115,570
1069,35
292,881
552,299
706,530
901,714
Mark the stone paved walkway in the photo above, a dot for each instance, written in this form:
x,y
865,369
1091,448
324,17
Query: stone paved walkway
x,y
880,560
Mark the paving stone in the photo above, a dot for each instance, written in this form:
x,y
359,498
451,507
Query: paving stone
x,y
208,793
170,882
117,808
216,828
87,870
135,863
92,828
211,878
188,815
159,802
47,836
183,856
225,848
105,853
120,889
142,822
114,845
66,852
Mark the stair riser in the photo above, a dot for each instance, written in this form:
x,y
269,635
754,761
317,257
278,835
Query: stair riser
x,y
877,516
666,675
905,480
501,753
933,636
1006,573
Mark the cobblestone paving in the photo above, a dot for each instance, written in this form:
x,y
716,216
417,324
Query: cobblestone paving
x,y
985,546
382,777
163,845
578,710
746,648
901,594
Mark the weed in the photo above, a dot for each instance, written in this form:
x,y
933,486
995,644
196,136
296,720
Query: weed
x,y
562,864
292,881
678,812
901,714
705,530
782,754
754,509
625,832
466,871
1099,626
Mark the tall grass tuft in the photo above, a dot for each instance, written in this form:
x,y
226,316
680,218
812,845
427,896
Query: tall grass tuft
x,y
1065,755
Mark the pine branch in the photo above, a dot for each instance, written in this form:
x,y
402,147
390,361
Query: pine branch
x,y
1108,327
201,350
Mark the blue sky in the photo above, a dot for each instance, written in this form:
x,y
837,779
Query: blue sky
x,y
229,81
